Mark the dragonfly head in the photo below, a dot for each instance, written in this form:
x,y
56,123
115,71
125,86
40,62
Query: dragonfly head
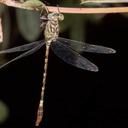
x,y
56,16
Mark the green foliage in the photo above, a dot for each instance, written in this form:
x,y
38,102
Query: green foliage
x,y
76,23
33,4
4,112
1,9
28,24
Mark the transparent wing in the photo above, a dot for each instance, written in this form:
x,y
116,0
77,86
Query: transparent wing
x,y
22,47
31,51
85,47
71,57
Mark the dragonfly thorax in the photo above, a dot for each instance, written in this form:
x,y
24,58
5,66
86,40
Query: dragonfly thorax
x,y
52,27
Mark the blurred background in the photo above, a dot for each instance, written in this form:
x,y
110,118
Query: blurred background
x,y
73,98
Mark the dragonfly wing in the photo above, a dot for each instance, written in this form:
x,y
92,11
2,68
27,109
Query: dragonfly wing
x,y
31,51
85,47
22,47
72,57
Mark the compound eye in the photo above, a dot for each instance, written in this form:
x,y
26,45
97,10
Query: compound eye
x,y
61,17
51,16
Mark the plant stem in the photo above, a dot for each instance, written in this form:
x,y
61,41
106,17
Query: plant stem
x,y
71,10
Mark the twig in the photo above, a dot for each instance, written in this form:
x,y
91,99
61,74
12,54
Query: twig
x,y
71,10
90,10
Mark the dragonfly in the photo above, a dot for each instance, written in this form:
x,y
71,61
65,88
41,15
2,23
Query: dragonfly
x,y
65,49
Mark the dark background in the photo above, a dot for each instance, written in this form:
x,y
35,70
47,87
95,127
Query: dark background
x,y
73,98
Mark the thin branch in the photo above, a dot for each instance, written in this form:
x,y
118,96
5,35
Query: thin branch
x,y
71,10
90,10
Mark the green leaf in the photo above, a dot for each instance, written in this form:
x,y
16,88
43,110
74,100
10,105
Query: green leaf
x,y
35,4
29,24
4,112
1,9
77,31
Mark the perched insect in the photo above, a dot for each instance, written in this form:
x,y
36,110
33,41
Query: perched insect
x,y
65,49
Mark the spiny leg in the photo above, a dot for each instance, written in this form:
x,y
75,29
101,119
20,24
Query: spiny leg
x,y
40,109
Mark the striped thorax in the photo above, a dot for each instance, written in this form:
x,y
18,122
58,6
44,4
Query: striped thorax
x,y
51,31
